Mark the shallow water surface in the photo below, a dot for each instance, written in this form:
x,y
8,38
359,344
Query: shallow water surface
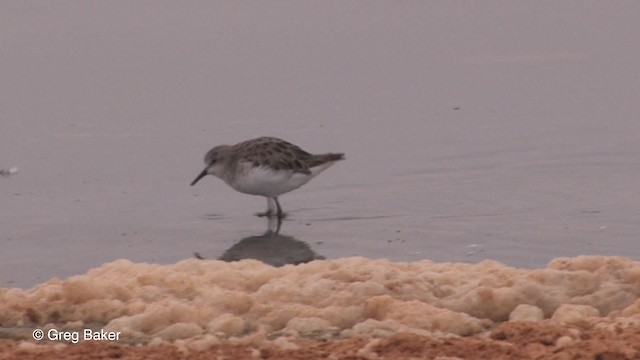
x,y
471,131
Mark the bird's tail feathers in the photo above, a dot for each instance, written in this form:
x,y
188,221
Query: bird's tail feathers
x,y
317,160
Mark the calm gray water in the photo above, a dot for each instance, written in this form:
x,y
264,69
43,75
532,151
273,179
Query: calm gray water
x,y
488,130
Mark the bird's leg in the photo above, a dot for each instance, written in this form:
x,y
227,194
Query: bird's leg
x,y
271,208
279,212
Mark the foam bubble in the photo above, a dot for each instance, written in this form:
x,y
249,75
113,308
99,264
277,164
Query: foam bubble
x,y
526,312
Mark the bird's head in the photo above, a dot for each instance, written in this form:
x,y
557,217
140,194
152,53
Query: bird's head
x,y
215,162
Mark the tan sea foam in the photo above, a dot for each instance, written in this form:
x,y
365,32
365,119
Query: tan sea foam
x,y
204,302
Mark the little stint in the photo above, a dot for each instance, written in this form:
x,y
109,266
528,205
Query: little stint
x,y
265,166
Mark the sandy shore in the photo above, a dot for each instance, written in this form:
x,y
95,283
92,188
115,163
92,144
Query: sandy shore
x,y
509,340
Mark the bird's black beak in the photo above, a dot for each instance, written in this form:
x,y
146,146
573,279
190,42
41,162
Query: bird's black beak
x,y
202,174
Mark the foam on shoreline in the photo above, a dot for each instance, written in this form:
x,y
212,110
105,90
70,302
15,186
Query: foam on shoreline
x,y
208,301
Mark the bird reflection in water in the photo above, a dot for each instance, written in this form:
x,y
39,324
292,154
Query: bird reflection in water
x,y
271,248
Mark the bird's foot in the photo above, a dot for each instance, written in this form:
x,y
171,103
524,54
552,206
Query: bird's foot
x,y
264,214
272,214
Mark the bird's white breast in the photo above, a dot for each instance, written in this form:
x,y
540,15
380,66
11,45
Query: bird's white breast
x,y
266,181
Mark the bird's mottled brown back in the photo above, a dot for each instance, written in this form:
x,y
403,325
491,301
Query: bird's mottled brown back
x,y
280,155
